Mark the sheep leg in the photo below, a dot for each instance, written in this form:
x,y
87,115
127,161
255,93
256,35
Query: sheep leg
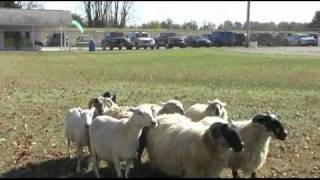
x,y
253,175
117,166
80,154
129,164
235,174
95,164
68,147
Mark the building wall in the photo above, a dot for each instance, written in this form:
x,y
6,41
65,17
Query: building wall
x,y
22,29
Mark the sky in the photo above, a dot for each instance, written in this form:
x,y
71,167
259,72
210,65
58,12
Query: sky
x,y
208,11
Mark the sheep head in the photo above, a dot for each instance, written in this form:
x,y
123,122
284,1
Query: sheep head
x,y
216,107
110,95
143,116
87,115
171,107
224,134
270,123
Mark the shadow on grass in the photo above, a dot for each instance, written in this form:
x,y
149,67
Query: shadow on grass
x,y
65,168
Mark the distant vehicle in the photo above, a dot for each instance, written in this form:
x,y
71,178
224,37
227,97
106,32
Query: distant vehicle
x,y
223,38
240,39
301,40
315,36
264,39
162,39
83,41
208,36
115,39
281,39
174,41
141,40
197,41
54,39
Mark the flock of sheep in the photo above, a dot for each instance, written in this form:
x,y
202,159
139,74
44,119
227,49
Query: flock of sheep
x,y
198,142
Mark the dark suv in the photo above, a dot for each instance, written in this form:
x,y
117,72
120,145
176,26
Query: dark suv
x,y
115,39
176,41
162,39
197,41
54,39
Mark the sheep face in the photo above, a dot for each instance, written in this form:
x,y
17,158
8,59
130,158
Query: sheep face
x,y
110,95
216,106
99,104
172,106
271,125
110,105
228,135
144,117
87,116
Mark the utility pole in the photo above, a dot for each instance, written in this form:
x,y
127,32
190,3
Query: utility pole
x,y
248,24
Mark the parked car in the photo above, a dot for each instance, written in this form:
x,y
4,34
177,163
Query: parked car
x,y
115,39
83,41
240,39
197,41
264,39
54,39
141,39
315,36
162,39
208,36
281,39
175,41
301,40
223,38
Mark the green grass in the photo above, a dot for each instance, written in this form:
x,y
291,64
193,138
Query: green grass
x,y
37,88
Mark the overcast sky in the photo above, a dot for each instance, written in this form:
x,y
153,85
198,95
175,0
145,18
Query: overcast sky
x,y
206,11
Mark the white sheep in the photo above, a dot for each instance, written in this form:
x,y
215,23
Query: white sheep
x,y
213,108
179,147
256,134
168,107
117,140
76,130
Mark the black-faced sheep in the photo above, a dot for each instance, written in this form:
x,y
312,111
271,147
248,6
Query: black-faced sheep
x,y
179,147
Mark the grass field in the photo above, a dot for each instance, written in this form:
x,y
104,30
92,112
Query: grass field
x,y
37,88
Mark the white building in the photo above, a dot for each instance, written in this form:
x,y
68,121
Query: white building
x,y
20,28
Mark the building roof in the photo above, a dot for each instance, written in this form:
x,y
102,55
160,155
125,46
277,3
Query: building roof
x,y
12,16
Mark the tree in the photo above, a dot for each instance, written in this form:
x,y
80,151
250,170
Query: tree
x,y
315,23
30,5
107,13
190,25
237,26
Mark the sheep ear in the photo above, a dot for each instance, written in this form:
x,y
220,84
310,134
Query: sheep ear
x,y
162,103
114,98
209,102
93,101
133,109
223,103
107,94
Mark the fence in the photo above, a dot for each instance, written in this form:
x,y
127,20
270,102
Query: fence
x,y
97,35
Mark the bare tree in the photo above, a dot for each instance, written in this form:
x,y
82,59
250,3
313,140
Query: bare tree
x,y
125,10
30,5
107,13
